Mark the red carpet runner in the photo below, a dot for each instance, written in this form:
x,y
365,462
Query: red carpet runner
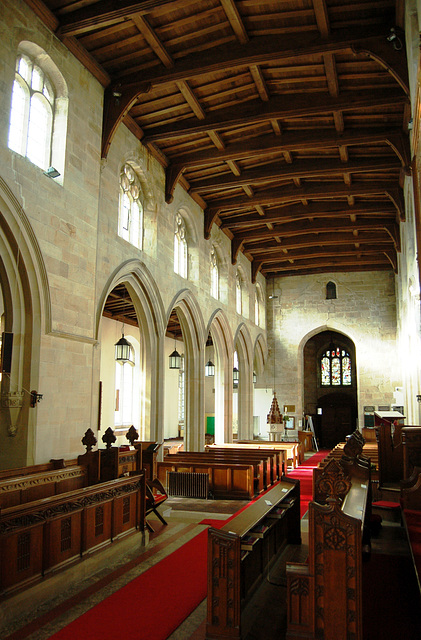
x,y
304,473
154,604
151,606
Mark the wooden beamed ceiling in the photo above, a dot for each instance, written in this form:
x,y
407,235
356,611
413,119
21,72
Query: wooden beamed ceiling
x,y
287,122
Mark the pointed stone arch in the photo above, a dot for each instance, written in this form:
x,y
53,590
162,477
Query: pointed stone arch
x,y
338,404
146,299
222,338
194,337
27,307
260,354
244,346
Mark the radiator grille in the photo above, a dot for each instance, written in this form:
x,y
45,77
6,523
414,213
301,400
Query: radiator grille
x,y
187,484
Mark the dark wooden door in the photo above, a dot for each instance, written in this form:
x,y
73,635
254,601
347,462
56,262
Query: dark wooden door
x,y
337,419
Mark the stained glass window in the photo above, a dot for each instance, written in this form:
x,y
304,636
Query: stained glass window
x,y
335,367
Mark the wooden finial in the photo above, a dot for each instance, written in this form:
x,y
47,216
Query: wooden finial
x,y
109,438
132,435
89,440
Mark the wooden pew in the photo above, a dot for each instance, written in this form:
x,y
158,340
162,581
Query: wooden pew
x,y
41,537
294,450
291,451
411,517
324,595
262,464
226,480
241,553
273,458
21,489
411,445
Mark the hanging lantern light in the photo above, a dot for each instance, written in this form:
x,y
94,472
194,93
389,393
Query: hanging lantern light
x,y
123,350
209,369
175,358
235,376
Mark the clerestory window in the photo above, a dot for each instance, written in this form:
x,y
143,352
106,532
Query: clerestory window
x,y
238,293
130,219
214,274
180,246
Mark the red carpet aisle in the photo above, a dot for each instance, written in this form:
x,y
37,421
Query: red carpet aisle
x,y
152,605
304,473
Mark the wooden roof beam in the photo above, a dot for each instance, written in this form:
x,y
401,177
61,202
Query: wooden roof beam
x,y
256,148
297,141
277,107
261,50
299,169
301,212
235,20
312,240
103,14
298,229
310,191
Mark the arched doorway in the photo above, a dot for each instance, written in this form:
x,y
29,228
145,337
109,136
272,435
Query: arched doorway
x,y
330,388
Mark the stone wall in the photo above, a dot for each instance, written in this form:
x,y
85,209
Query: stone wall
x,y
364,310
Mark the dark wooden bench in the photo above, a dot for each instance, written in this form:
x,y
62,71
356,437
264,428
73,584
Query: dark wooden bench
x,y
21,489
324,595
44,536
411,517
294,450
273,460
262,464
241,553
226,480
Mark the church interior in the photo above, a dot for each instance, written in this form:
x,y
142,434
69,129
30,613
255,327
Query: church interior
x,y
210,214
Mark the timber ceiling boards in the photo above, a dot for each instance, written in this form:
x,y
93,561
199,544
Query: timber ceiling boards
x,y
286,120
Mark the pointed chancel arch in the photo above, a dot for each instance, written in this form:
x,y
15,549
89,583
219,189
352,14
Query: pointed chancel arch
x,y
334,406
194,337
260,354
244,347
222,340
27,313
150,315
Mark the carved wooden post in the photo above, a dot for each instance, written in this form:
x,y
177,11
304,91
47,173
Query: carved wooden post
x,y
224,610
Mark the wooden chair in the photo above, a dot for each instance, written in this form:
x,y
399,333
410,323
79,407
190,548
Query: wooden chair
x,y
155,496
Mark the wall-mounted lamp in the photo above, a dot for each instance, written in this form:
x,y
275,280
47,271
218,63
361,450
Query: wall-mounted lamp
x,y
418,397
123,350
35,397
175,359
394,39
52,172
209,369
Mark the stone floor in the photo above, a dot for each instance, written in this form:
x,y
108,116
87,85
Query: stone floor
x,y
37,613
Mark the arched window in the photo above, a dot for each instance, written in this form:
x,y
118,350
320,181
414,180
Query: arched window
x,y
180,247
124,391
32,112
130,217
335,367
257,304
238,293
214,274
331,291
